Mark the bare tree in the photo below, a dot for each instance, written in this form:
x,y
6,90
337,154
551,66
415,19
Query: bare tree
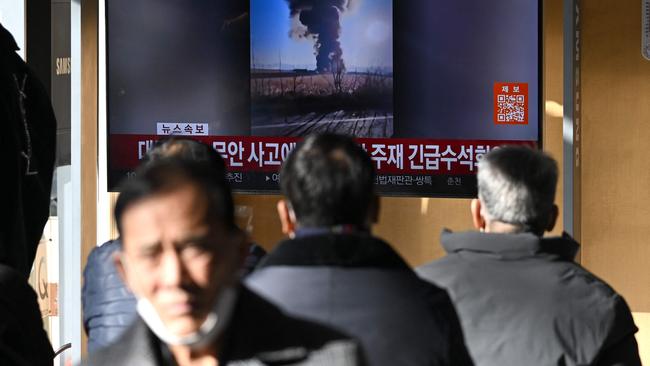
x,y
256,81
337,67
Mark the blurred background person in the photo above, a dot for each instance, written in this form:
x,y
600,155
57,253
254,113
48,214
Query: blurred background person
x,y
108,305
27,152
23,341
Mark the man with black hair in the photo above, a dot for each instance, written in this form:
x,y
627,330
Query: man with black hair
x,y
333,270
180,257
108,306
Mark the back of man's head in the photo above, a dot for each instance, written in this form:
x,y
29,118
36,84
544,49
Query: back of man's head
x,y
328,180
516,186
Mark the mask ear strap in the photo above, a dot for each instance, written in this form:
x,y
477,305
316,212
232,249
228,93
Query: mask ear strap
x,y
292,213
123,261
120,260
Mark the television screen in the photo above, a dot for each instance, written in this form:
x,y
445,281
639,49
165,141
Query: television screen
x,y
426,87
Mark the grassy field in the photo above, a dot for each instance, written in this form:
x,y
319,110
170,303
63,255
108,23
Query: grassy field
x,y
289,93
303,102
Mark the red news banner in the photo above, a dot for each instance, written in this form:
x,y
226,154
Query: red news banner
x,y
265,154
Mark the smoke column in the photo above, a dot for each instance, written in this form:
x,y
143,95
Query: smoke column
x,y
320,20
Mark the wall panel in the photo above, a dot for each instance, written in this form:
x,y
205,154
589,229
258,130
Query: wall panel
x,y
615,132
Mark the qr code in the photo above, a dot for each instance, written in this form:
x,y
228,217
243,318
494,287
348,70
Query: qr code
x,y
511,103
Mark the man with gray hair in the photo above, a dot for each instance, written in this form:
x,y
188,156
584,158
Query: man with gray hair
x,y
520,297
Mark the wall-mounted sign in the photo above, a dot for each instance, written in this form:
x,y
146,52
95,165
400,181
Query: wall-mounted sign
x,y
63,66
46,292
60,75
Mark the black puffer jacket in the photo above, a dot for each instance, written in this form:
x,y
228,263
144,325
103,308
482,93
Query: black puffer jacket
x,y
359,284
108,306
23,340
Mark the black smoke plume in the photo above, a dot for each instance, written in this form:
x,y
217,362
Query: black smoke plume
x,y
320,20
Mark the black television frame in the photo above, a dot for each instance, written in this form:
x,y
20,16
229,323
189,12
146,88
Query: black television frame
x,y
469,189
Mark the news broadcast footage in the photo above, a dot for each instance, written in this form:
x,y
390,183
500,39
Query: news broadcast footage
x,y
426,87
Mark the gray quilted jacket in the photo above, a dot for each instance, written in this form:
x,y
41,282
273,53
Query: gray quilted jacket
x,y
523,301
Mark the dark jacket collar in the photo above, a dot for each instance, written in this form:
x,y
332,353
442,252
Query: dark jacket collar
x,y
250,311
258,333
331,249
510,246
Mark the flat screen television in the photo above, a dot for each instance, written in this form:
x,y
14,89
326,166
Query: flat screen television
x,y
426,87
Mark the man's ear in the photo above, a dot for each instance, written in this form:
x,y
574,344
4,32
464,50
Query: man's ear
x,y
286,218
477,218
552,219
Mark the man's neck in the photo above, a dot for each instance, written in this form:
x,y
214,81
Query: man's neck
x,y
303,231
186,356
498,227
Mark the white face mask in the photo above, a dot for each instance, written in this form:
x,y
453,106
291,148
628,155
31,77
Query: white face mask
x,y
213,325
